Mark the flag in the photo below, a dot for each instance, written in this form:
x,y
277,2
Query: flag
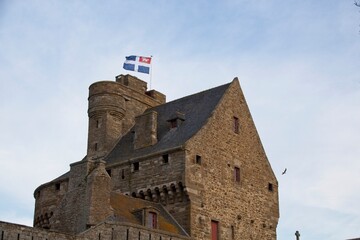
x,y
137,64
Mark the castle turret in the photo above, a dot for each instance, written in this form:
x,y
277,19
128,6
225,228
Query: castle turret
x,y
106,110
113,107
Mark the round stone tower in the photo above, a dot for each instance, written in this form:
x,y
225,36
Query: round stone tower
x,y
106,111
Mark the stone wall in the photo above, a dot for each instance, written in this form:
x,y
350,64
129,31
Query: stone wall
x,y
103,231
159,178
48,198
10,231
244,209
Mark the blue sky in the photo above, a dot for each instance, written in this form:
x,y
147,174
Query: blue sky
x,y
297,61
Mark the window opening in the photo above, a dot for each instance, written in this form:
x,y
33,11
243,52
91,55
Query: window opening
x,y
270,187
173,123
152,220
237,174
214,230
232,232
57,186
198,159
98,123
165,158
236,124
122,174
136,166
96,147
108,171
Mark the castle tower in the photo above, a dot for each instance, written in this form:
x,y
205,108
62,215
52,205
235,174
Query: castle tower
x,y
106,110
113,107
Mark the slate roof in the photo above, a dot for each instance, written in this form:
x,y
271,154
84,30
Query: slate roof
x,y
195,109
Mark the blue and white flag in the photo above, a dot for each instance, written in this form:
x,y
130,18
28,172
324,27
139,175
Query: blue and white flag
x,y
138,64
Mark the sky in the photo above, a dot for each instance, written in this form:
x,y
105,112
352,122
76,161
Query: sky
x,y
297,61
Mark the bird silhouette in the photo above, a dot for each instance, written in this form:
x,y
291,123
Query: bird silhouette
x,y
284,171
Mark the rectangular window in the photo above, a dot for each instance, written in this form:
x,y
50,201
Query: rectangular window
x,y
236,125
108,172
152,220
165,158
214,230
270,187
237,174
57,186
136,166
198,159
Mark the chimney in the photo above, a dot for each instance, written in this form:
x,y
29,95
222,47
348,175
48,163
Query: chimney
x,y
145,130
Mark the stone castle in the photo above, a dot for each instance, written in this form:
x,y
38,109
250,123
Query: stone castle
x,y
193,168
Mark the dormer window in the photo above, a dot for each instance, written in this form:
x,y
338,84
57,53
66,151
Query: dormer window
x,y
176,119
152,220
173,123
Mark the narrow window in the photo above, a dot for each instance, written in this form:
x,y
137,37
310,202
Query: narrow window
x,y
57,186
232,232
152,220
198,159
96,147
122,174
270,187
236,124
98,123
214,230
136,166
165,158
108,171
237,174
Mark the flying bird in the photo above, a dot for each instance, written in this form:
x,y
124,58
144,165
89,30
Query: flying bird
x,y
284,171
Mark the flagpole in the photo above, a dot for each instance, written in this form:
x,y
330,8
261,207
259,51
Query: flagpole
x,y
151,69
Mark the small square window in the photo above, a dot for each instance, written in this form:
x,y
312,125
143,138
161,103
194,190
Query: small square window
x,y
173,123
57,186
165,158
198,159
237,174
136,166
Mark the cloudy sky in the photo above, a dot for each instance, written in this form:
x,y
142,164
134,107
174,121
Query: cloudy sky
x,y
298,63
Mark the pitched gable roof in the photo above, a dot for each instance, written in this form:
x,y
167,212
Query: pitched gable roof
x,y
194,109
129,209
